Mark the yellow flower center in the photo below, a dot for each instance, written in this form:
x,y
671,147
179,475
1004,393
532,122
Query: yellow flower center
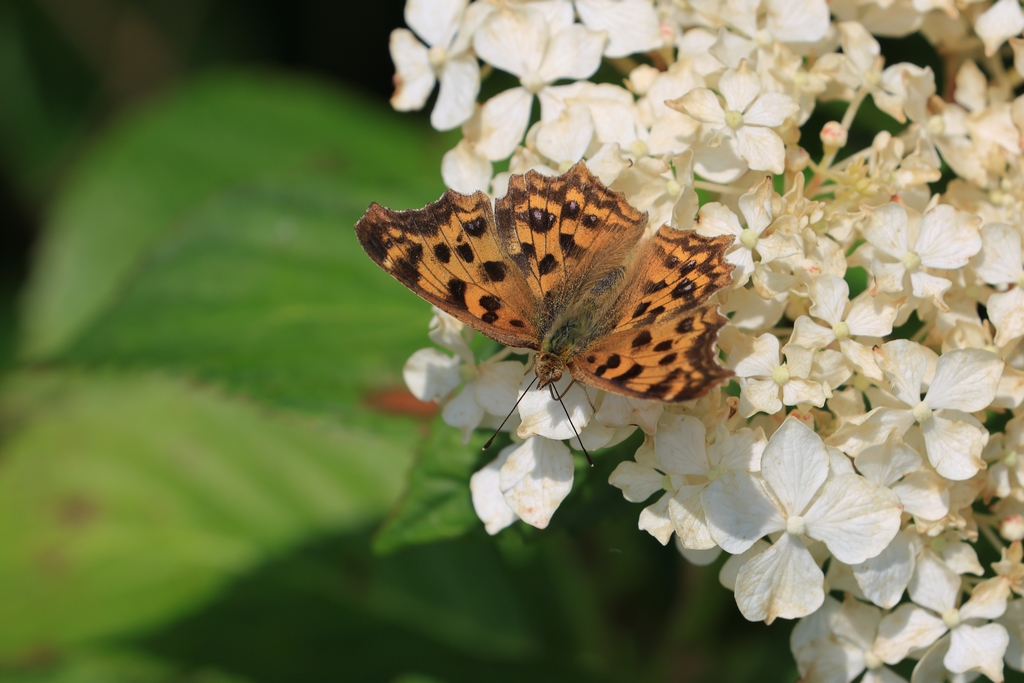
x,y
716,472
911,260
871,661
639,148
437,56
780,375
673,188
666,483
748,238
796,525
841,330
921,412
733,119
936,126
951,617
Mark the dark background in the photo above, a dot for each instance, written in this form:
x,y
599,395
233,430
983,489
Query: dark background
x,y
89,61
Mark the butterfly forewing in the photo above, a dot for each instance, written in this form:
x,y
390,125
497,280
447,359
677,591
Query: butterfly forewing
x,y
673,360
565,233
449,254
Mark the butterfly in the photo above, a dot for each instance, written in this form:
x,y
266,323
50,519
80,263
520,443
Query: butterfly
x,y
560,266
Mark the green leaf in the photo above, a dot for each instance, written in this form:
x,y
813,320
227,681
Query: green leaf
x,y
114,667
436,504
267,291
127,500
159,164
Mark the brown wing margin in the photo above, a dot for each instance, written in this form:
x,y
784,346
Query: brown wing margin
x,y
448,253
671,361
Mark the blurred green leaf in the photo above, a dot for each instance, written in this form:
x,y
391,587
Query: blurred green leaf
x,y
113,667
436,504
267,291
127,500
165,160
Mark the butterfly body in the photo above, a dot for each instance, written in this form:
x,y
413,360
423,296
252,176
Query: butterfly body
x,y
560,266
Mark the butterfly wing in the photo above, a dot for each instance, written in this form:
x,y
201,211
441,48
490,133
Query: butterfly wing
x,y
676,270
567,234
449,254
670,361
661,341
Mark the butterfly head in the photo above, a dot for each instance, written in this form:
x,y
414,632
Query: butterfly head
x,y
548,367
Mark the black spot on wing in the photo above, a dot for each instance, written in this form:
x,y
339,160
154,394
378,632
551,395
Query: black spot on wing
x,y
489,317
442,252
495,270
475,227
685,325
568,244
641,309
634,371
652,287
516,323
667,359
683,288
590,221
547,264
457,293
540,220
613,362
465,252
663,346
641,339
571,209
491,303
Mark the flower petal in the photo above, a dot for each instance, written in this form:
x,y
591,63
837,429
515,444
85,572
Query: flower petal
x,y
456,99
854,518
414,77
435,21
948,238
783,581
503,121
739,512
954,447
883,578
794,464
574,52
632,25
680,446
544,416
488,501
536,478
908,628
965,379
761,148
637,482
977,648
771,109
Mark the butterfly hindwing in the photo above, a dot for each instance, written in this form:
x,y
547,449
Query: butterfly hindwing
x,y
676,270
449,254
671,361
565,233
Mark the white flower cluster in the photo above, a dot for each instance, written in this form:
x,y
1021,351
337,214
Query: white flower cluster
x,y
850,460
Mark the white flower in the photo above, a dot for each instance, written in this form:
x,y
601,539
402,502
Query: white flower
x,y
945,238
444,58
715,219
766,383
485,490
679,461
1002,20
535,478
869,316
1000,263
972,644
539,45
855,520
749,117
632,25
965,381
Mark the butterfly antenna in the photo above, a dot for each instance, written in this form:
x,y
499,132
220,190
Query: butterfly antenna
x,y
498,430
589,459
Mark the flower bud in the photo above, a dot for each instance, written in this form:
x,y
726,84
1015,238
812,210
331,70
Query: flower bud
x,y
833,136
